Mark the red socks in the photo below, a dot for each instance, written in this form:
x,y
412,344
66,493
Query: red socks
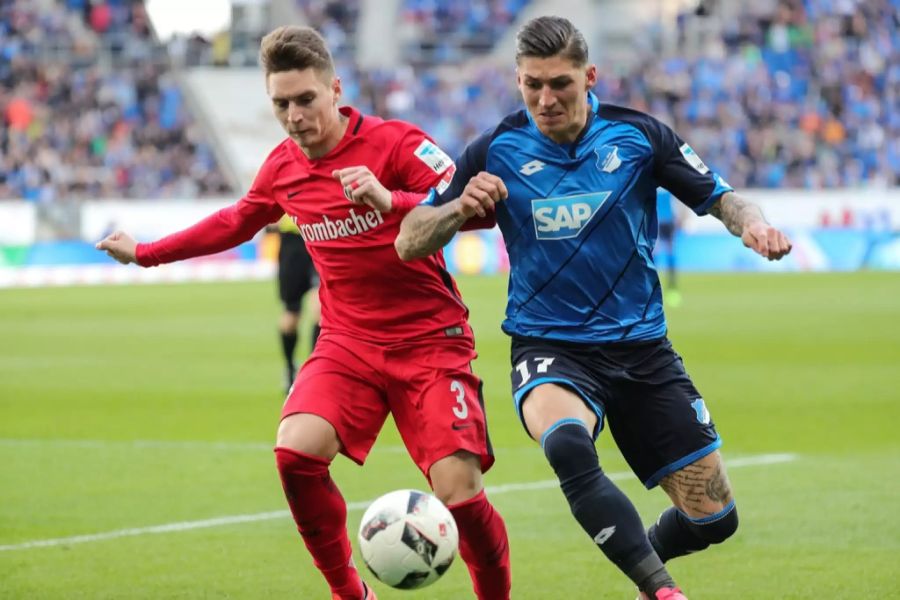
x,y
484,546
321,516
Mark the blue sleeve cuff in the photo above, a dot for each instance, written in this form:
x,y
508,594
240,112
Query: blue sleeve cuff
x,y
722,187
429,199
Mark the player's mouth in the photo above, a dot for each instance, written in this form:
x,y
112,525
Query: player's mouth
x,y
551,116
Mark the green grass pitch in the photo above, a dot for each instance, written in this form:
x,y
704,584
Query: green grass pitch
x,y
131,407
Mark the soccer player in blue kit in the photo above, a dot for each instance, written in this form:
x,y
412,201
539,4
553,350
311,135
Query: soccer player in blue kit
x,y
572,184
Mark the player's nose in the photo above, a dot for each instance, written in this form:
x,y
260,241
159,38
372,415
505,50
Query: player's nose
x,y
547,98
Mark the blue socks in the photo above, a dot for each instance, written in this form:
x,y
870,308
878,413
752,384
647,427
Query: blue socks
x,y
675,534
602,510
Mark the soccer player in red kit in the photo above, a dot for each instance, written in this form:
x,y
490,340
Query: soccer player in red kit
x,y
395,337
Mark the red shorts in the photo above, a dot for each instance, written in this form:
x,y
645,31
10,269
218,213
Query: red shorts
x,y
428,386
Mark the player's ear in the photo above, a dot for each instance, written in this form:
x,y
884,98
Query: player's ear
x,y
336,88
590,76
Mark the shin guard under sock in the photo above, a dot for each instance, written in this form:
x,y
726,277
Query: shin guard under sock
x,y
321,516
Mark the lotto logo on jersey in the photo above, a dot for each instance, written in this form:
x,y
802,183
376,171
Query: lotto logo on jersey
x,y
436,159
565,217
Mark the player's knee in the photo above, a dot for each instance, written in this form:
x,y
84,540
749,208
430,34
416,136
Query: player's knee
x,y
309,434
569,448
717,528
456,478
290,317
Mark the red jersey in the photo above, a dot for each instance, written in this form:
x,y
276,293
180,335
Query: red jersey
x,y
365,290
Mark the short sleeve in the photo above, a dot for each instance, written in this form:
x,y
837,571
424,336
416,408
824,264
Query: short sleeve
x,y
679,169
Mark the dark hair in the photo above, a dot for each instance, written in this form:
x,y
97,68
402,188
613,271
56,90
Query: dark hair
x,y
544,37
291,47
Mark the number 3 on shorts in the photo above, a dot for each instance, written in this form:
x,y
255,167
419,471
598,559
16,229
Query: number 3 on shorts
x,y
461,411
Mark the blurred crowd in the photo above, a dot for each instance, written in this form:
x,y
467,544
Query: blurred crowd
x,y
336,20
793,93
89,109
443,31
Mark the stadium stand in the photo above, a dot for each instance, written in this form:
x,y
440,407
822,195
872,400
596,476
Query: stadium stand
x,y
91,110
790,93
336,20
448,31
783,93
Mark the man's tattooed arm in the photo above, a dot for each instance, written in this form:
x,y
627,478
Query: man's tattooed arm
x,y
425,230
736,213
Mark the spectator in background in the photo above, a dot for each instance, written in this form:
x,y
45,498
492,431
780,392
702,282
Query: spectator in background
x,y
296,277
797,93
76,127
668,227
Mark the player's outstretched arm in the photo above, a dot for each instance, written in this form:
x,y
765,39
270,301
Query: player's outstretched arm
x,y
220,231
120,246
745,220
427,229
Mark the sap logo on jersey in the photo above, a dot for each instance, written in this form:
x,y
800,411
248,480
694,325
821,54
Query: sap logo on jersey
x,y
565,217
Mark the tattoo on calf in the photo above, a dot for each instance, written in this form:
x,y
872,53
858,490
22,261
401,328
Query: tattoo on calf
x,y
717,488
696,487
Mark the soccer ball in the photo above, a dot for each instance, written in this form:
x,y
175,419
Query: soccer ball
x,y
408,539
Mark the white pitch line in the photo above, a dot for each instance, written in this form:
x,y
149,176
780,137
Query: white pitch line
x,y
158,444
748,461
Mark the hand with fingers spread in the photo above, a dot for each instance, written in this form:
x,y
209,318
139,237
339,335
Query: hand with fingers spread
x,y
765,240
120,246
362,187
481,194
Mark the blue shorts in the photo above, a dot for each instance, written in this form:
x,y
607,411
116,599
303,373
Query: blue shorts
x,y
657,417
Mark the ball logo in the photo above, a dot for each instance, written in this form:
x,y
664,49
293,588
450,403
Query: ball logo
x,y
565,217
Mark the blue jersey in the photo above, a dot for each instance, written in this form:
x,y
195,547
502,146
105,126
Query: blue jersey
x,y
580,221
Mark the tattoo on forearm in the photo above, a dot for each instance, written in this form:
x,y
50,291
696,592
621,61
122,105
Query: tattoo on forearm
x,y
736,213
698,489
427,232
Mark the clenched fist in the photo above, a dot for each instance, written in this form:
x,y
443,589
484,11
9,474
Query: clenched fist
x,y
120,246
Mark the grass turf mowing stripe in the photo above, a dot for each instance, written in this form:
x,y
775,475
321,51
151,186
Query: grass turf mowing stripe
x,y
747,461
